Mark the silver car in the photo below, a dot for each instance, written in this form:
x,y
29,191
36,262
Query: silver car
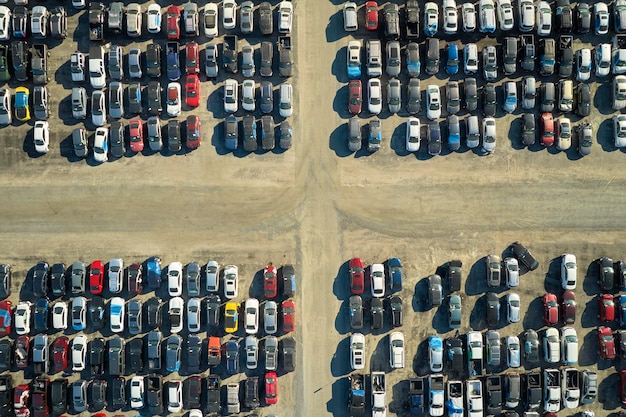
x,y
247,61
154,133
394,99
453,96
116,100
134,63
393,58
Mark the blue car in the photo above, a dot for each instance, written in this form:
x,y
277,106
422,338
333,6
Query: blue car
x,y
173,61
452,64
232,357
395,272
154,272
41,314
622,310
172,353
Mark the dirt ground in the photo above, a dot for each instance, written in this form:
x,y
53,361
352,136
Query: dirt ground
x,y
316,206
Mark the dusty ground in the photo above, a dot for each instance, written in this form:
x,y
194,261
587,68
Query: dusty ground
x,y
317,206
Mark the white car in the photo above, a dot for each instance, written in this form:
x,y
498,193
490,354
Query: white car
x,y
79,352
117,313
212,272
551,345
231,281
569,346
357,351
603,59
350,20
137,392
564,130
246,15
210,20
22,317
505,15
568,271
619,130
583,63
470,58
527,16
413,134
513,309
431,18
173,99
377,277
101,144
251,316
229,14
59,315
6,110
116,275
396,350
513,353
211,66
490,63
252,352
153,18
544,19
174,396
39,21
433,102
247,95
270,317
285,16
374,96
601,14
175,312
487,17
230,95
98,108
5,21
489,134
194,308
511,270
469,17
450,17
175,279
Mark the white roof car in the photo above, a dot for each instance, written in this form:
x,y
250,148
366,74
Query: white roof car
x,y
469,17
117,307
285,106
413,134
354,58
194,307
153,18
174,396
22,317
619,128
505,15
136,392
374,96
246,12
59,315
230,95
270,317
252,352
6,111
377,276
231,278
210,20
510,96
251,316
396,350
229,14
470,58
173,99
116,275
450,17
511,270
513,308
564,129
601,14
527,16
101,144
544,18
212,272
39,21
247,95
513,353
568,271
490,63
5,20
175,279
175,312
487,13
79,351
603,59
357,351
435,353
583,63
569,346
433,102
489,134
285,16
551,345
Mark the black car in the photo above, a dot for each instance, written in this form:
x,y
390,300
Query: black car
x,y
564,16
134,313
174,143
620,275
212,396
19,22
96,356
289,354
116,139
494,395
528,129
435,290
5,280
96,312
153,60
455,275
533,391
118,393
606,273
116,356
289,279
154,98
153,309
524,256
193,392
134,98
489,100
434,138
454,347
213,310
58,22
154,396
40,279
251,392
20,59
583,18
135,355
249,133
355,304
98,392
42,315
6,352
194,355
377,310
493,309
57,279
396,311
583,107
58,396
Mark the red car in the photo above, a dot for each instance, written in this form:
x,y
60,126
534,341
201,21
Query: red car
x,y
271,388
96,277
289,316
135,279
550,309
193,132
270,281
192,90
357,276
192,58
21,397
173,23
622,386
22,351
547,129
6,317
371,15
135,128
606,343
568,307
59,353
606,308
40,398
355,99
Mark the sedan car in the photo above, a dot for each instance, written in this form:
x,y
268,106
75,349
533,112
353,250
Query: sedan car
x,y
6,110
175,311
513,308
79,313
606,276
289,316
544,18
192,90
569,346
173,99
175,279
377,280
231,352
435,353
173,348
357,278
210,20
433,100
251,346
551,345
59,315
547,129
513,352
153,18
231,275
60,348
357,351
374,95
531,346
413,130
79,352
135,316
22,317
601,18
550,309
117,308
229,14
454,312
606,308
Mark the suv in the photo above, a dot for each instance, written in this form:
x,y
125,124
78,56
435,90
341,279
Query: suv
x,y
524,256
509,54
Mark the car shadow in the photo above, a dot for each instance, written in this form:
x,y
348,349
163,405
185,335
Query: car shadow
x,y
342,319
601,101
400,394
397,142
341,283
533,319
420,297
340,363
588,354
552,281
605,136
339,397
334,28
590,280
338,140
608,391
475,282
340,65
420,360
477,320
589,316
340,102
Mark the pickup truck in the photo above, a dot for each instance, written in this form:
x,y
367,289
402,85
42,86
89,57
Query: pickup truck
x,y
618,54
474,354
155,394
436,395
356,395
455,399
5,75
285,56
173,61
213,395
552,390
570,387
379,394
533,391
39,397
547,56
412,17
494,394
528,52
474,392
416,396
566,55
97,12
230,53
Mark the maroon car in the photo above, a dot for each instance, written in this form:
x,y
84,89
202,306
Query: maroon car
x,y
59,353
606,343
355,100
40,397
193,132
550,309
568,307
21,397
135,279
22,351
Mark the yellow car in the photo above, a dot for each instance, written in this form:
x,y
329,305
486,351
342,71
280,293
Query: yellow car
x,y
231,317
22,109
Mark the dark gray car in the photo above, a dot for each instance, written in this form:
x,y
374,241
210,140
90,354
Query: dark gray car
x,y
134,316
286,134
267,97
356,312
172,353
531,346
249,133
174,143
116,356
489,100
471,94
78,277
493,309
194,354
289,354
58,22
79,142
435,290
154,350
434,138
414,96
528,129
193,279
98,394
453,97
40,102
267,133
134,98
116,139
213,310
154,98
584,100
377,311
265,18
153,60
585,138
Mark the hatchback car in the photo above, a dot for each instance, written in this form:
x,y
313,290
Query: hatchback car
x,y
513,308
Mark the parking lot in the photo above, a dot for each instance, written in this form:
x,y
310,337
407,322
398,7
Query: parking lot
x,y
317,205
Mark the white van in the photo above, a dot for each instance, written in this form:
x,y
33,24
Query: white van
x,y
374,58
350,23
284,106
